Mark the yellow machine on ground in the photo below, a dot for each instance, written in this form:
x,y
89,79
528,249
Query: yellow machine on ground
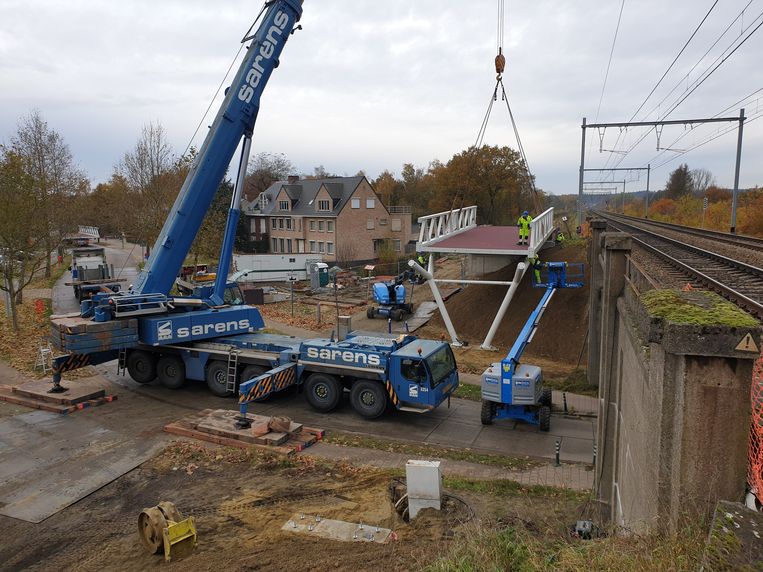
x,y
162,527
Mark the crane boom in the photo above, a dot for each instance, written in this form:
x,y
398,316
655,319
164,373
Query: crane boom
x,y
235,119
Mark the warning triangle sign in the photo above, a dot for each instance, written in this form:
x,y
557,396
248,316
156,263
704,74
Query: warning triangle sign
x,y
747,344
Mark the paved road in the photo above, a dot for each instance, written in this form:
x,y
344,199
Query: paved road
x,y
124,261
457,426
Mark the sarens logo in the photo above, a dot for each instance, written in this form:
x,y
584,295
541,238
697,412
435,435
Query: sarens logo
x,y
348,356
218,328
267,49
164,330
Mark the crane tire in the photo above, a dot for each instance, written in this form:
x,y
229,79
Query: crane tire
x,y
141,366
545,397
368,398
323,392
217,378
170,370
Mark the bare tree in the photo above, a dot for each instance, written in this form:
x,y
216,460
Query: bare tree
x,y
346,252
701,180
56,180
23,232
152,178
263,170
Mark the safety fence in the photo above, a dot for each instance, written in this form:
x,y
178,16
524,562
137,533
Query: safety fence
x,y
755,460
541,228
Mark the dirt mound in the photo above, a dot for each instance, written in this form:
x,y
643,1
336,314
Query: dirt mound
x,y
562,330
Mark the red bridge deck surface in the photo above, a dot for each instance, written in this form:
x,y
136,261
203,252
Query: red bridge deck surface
x,y
501,239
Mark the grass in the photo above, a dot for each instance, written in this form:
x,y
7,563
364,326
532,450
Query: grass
x,y
510,463
696,309
506,487
575,382
468,391
493,547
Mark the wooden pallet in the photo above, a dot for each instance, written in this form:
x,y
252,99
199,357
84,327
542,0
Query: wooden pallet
x,y
54,404
217,426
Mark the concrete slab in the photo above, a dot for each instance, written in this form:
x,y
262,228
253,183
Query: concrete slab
x,y
576,450
76,392
453,433
336,529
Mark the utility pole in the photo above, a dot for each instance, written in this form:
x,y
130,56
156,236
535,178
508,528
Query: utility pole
x,y
646,197
736,174
582,174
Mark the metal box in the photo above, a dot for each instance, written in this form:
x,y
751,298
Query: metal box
x,y
424,481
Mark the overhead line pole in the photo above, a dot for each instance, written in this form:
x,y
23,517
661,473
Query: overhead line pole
x,y
648,168
740,119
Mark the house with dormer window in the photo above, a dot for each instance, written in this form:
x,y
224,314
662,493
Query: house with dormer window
x,y
337,219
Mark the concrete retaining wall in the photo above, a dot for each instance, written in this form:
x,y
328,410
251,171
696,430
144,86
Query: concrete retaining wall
x,y
674,400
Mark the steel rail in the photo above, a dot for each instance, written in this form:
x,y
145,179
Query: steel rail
x,y
727,291
741,240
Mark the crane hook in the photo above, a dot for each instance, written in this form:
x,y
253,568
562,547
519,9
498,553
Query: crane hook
x,y
500,63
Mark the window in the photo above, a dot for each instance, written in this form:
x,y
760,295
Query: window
x,y
330,247
355,203
413,370
273,223
321,224
312,225
282,245
370,224
312,246
324,206
280,223
383,222
330,225
283,205
288,245
321,247
274,245
396,245
370,203
396,225
288,224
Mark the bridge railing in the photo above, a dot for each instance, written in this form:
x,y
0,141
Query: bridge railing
x,y
447,223
541,228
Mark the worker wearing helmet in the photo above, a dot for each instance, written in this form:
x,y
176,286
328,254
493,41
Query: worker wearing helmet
x,y
524,228
421,260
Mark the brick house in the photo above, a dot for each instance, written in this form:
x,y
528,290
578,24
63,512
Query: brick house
x,y
338,218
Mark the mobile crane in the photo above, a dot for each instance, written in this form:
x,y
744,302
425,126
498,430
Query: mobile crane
x,y
512,390
205,336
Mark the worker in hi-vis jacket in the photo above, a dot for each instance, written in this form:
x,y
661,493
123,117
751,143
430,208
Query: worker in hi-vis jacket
x,y
524,228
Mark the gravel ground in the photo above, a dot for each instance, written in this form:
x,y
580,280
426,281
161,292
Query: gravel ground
x,y
660,271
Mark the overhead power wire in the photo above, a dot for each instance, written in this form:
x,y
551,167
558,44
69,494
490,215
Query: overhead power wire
x,y
721,59
609,62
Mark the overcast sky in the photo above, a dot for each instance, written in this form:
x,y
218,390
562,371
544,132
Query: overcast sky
x,y
372,85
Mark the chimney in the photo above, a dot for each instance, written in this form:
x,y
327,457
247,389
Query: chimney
x,y
293,179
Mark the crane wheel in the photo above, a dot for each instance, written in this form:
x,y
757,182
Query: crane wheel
x,y
545,397
370,312
141,366
368,398
217,378
170,369
323,392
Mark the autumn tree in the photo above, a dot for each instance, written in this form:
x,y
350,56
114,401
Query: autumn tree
x,y
23,232
418,187
701,181
494,178
388,188
56,180
679,183
263,170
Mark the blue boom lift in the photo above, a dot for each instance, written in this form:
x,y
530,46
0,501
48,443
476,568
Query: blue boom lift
x,y
207,335
511,390
392,297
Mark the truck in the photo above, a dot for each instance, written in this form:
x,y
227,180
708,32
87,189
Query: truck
x,y
513,390
207,337
91,273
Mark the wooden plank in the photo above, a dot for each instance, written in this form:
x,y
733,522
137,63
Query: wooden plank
x,y
36,403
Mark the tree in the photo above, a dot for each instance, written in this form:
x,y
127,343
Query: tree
x,y
23,232
716,194
679,183
494,178
701,181
388,188
263,170
320,172
56,180
153,180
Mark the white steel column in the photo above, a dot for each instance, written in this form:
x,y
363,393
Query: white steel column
x,y
436,293
520,272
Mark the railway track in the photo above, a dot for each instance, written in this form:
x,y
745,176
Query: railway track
x,y
738,282
751,242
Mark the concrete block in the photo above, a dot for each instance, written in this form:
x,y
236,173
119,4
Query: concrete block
x,y
424,482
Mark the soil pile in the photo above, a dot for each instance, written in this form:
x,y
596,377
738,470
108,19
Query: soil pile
x,y
562,330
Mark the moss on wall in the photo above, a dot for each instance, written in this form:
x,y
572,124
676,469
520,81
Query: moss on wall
x,y
698,308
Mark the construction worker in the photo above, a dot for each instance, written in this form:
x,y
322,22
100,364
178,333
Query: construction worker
x,y
560,238
535,263
422,260
524,228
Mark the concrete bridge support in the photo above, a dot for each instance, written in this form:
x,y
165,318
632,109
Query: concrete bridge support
x,y
674,396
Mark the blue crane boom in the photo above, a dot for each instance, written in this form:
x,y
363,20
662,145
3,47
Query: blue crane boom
x,y
234,120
